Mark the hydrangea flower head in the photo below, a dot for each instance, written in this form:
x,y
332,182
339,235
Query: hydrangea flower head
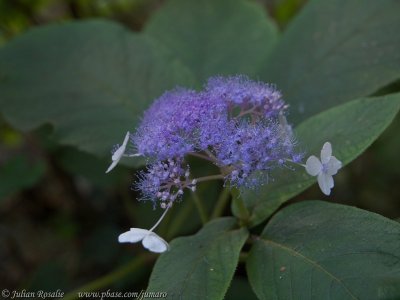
x,y
234,122
237,124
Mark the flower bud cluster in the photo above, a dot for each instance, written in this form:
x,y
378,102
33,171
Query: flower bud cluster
x,y
164,181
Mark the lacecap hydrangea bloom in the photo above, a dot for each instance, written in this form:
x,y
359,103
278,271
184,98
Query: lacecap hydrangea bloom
x,y
235,123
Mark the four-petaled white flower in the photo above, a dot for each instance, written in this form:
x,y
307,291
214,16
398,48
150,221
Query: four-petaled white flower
x,y
324,168
150,240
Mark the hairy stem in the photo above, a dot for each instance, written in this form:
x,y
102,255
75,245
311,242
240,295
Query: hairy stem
x,y
208,152
245,112
160,219
188,183
296,163
210,177
202,156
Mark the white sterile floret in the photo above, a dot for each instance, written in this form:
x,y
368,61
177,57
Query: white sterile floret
x,y
150,240
324,168
116,157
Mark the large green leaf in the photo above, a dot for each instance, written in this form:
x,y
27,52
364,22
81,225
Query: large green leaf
x,y
82,164
317,250
335,51
200,266
215,37
350,127
90,80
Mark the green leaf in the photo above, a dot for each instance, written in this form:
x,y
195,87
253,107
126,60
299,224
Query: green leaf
x,y
317,250
90,80
82,164
215,37
335,51
200,266
350,127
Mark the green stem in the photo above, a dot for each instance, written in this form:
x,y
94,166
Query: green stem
x,y
200,208
202,156
179,220
296,163
211,177
164,226
221,203
240,210
185,212
212,156
110,278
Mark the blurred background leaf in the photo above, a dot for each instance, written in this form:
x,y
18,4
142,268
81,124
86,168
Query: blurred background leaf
x,y
215,37
18,173
335,51
73,75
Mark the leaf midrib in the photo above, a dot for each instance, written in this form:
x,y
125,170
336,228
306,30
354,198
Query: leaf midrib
x,y
197,260
311,262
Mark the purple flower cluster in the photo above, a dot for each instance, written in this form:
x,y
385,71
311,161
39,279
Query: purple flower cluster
x,y
251,96
164,181
236,123
168,128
